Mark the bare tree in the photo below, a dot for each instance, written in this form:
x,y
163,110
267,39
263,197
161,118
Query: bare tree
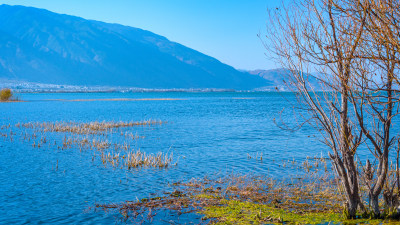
x,y
374,95
354,46
306,36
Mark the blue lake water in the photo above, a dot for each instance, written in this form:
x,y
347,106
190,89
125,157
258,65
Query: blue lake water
x,y
209,134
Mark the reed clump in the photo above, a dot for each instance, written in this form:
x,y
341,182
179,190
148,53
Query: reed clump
x,y
93,136
110,158
140,159
85,128
137,159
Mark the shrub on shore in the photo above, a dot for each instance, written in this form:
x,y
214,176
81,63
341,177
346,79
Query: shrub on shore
x,y
5,94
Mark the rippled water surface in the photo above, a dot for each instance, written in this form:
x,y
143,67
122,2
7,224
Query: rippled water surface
x,y
209,134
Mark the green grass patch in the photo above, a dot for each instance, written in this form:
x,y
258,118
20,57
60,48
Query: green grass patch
x,y
244,212
206,196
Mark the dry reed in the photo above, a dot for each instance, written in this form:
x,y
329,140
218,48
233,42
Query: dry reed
x,y
92,136
140,159
84,128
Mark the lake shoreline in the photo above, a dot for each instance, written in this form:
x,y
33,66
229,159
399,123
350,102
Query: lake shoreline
x,y
244,199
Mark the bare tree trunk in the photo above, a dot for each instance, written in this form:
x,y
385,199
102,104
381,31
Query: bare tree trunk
x,y
375,204
354,199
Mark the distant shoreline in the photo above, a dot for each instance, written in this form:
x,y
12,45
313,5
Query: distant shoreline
x,y
27,91
116,99
29,87
101,99
40,90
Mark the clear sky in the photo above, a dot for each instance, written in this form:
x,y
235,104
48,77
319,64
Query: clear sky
x,y
224,29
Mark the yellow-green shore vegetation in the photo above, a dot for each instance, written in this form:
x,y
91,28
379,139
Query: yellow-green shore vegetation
x,y
239,199
6,95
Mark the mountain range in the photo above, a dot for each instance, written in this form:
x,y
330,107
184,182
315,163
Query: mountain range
x,y
278,79
37,45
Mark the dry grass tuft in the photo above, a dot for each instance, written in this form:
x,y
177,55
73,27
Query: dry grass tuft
x,y
86,128
95,136
140,159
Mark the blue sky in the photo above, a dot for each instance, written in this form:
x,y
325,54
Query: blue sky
x,y
224,29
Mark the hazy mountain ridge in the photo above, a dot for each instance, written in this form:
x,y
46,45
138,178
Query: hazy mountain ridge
x,y
41,46
279,80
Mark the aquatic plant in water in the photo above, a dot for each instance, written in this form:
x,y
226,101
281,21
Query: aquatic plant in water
x,y
85,128
140,159
94,136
